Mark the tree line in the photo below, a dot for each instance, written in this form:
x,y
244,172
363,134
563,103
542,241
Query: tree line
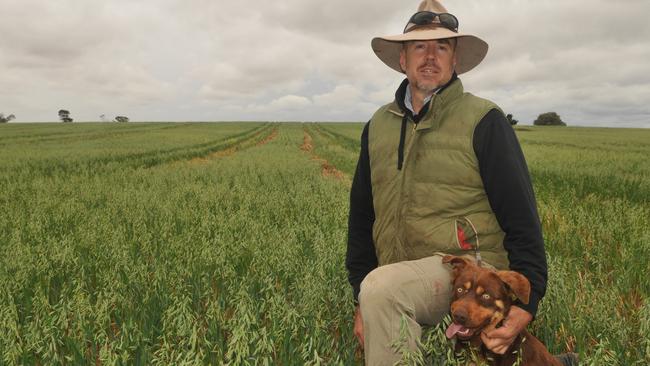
x,y
64,116
5,119
544,119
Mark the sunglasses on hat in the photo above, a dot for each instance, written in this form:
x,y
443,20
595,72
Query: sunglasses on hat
x,y
428,18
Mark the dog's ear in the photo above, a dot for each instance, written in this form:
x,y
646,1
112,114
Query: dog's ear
x,y
458,263
517,283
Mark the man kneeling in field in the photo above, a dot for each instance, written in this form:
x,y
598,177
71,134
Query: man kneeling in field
x,y
439,169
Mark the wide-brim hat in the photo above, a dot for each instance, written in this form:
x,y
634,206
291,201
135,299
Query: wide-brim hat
x,y
470,50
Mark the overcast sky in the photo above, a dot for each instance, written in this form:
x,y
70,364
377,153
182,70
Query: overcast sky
x,y
308,60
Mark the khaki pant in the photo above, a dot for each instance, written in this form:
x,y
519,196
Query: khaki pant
x,y
418,291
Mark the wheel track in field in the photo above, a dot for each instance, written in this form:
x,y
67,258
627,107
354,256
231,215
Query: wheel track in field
x,y
144,159
337,138
253,141
269,138
85,136
149,159
327,170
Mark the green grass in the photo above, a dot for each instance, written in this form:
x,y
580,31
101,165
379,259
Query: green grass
x,y
186,243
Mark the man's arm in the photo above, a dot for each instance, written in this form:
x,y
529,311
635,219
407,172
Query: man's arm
x,y
510,193
361,258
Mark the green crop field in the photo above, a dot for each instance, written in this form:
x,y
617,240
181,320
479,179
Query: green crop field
x,y
224,243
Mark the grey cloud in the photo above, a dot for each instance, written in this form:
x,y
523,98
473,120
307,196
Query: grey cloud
x,y
251,71
336,20
579,58
52,33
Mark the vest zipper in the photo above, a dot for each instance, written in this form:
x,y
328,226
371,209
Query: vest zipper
x,y
400,148
402,138
399,215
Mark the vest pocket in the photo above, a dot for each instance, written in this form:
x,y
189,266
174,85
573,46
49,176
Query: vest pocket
x,y
466,234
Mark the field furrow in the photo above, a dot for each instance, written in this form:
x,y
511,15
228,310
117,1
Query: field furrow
x,y
260,138
327,169
132,157
342,156
94,132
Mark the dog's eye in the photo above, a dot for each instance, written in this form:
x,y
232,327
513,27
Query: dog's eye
x,y
486,296
460,290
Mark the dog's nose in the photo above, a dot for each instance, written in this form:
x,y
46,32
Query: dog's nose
x,y
460,316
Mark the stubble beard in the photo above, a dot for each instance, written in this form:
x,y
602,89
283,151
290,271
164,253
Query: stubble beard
x,y
426,88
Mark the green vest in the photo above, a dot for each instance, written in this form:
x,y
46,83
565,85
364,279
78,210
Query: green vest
x,y
420,208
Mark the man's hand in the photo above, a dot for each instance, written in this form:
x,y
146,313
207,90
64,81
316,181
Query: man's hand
x,y
498,340
358,325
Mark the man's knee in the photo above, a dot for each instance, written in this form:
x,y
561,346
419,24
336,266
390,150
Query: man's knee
x,y
373,289
381,288
421,288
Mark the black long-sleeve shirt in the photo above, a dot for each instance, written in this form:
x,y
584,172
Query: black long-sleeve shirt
x,y
507,184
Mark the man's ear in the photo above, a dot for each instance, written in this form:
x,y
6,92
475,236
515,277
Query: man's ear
x,y
453,42
402,57
517,284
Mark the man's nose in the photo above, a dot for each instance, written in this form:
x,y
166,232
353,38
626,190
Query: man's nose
x,y
431,54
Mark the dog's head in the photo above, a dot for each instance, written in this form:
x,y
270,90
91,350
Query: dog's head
x,y
481,297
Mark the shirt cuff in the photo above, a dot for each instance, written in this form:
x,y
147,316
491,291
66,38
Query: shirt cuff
x,y
533,303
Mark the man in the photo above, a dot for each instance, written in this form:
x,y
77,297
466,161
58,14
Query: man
x,y
440,172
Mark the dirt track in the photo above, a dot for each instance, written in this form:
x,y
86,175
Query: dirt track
x,y
233,149
327,169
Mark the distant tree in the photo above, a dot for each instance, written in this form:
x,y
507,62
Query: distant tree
x,y
511,120
6,119
121,119
549,119
64,115
103,118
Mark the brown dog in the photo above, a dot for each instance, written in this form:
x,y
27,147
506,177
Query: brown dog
x,y
481,300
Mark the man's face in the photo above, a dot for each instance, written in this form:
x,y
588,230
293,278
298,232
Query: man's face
x,y
428,64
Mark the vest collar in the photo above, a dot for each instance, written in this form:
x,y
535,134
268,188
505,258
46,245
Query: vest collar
x,y
440,101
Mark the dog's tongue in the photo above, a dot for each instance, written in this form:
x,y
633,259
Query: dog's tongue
x,y
453,329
